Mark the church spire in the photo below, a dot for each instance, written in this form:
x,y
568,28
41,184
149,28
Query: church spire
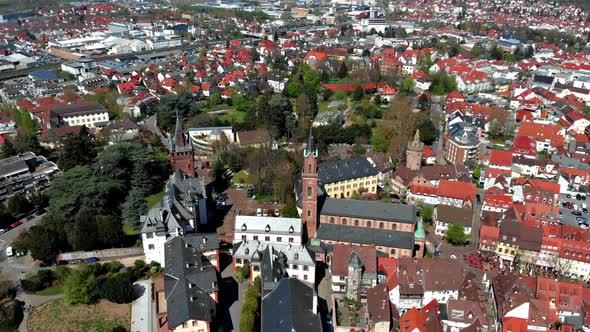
x,y
178,135
310,148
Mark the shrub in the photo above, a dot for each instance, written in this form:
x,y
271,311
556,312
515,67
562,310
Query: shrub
x,y
40,281
80,286
113,267
117,289
139,264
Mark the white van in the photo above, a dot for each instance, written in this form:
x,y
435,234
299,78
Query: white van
x,y
9,252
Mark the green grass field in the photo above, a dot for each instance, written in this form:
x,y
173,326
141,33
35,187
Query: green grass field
x,y
152,200
53,290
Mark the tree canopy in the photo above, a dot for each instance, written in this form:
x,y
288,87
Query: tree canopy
x,y
456,234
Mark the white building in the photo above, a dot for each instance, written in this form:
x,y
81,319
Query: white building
x,y
91,115
164,42
445,215
85,68
268,229
182,209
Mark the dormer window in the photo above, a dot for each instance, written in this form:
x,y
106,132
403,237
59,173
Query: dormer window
x,y
291,229
247,251
267,229
296,256
244,227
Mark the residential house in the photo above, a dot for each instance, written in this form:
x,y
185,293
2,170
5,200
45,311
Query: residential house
x,y
445,216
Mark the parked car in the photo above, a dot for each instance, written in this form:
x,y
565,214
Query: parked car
x,y
265,213
581,220
578,197
577,213
259,212
62,262
570,205
568,196
9,251
16,224
91,259
3,230
277,213
584,226
585,210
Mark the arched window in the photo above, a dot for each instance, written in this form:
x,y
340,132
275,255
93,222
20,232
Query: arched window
x,y
368,223
381,225
309,213
332,220
394,226
309,192
392,251
356,222
343,221
308,168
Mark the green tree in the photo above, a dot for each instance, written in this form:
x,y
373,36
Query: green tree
x,y
82,234
42,242
426,213
294,89
476,51
80,286
343,70
77,150
109,231
427,132
358,93
18,204
7,150
378,140
407,85
250,313
359,150
117,289
312,78
134,206
215,99
456,234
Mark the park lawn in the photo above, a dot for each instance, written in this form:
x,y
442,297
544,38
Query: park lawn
x,y
130,230
152,200
60,316
53,290
233,117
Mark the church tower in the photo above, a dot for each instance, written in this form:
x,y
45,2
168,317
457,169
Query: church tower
x,y
181,151
309,206
414,153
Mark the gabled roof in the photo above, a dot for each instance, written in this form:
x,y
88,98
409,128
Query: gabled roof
x,y
290,307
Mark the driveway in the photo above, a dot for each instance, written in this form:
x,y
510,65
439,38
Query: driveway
x,y
15,268
142,309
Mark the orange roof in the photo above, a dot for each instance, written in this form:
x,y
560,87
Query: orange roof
x,y
457,189
422,320
542,132
502,158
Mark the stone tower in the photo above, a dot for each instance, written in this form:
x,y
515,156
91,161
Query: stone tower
x,y
414,153
355,277
309,206
181,156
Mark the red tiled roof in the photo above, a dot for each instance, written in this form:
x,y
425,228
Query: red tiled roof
x,y
542,132
342,253
457,189
501,158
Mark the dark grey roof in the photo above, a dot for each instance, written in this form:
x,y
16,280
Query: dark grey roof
x,y
289,307
79,109
369,210
355,261
345,169
189,279
362,235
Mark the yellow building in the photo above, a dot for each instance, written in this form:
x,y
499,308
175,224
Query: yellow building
x,y
341,178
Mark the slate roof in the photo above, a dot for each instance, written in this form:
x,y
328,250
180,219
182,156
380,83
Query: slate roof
x,y
346,169
289,307
454,215
189,280
367,236
78,109
369,210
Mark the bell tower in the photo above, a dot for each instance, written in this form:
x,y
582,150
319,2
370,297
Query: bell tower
x,y
181,151
414,153
309,206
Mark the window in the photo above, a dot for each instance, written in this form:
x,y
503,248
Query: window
x,y
368,223
243,237
308,168
295,267
255,237
279,239
150,235
305,277
332,220
309,192
392,251
267,238
394,226
347,193
290,239
255,268
343,221
184,325
194,323
356,222
296,256
305,267
309,213
151,247
381,225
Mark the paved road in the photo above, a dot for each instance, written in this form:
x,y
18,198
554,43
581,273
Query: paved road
x,y
14,268
143,315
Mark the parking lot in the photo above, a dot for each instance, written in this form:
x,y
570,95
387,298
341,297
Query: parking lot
x,y
567,217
